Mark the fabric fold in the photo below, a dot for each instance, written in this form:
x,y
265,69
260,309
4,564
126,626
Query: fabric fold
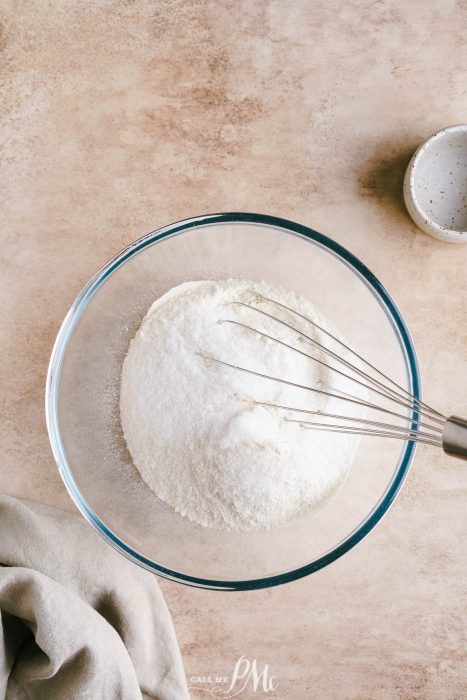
x,y
77,619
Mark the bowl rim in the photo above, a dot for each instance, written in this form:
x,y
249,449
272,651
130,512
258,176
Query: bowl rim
x,y
78,306
432,226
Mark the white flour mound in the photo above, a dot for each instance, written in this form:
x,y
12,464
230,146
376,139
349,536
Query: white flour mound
x,y
194,427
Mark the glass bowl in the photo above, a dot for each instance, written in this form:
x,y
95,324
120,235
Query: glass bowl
x,y
82,396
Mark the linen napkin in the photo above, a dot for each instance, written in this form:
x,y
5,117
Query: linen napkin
x,y
77,620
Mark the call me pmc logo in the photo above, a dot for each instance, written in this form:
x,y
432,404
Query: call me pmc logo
x,y
246,676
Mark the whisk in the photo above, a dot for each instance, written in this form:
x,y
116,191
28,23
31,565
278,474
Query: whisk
x,y
425,425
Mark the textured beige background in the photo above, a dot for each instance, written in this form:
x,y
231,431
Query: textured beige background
x,y
119,117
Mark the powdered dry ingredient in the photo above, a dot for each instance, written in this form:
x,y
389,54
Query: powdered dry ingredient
x,y
194,428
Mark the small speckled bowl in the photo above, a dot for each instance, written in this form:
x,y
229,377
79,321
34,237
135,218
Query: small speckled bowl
x,y
435,185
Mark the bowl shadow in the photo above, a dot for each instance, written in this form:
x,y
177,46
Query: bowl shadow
x,y
382,177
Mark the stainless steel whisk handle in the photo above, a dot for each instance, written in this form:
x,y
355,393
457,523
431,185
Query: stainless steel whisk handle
x,y
455,437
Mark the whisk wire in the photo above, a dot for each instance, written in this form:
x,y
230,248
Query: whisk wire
x,y
325,364
421,423
353,419
357,355
407,393
382,390
356,401
325,427
402,432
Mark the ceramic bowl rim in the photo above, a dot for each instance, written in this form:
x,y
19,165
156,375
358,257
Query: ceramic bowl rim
x,y
437,136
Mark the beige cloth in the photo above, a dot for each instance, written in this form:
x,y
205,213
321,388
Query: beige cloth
x,y
77,619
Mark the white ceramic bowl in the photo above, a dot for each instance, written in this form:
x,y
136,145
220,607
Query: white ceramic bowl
x,y
435,185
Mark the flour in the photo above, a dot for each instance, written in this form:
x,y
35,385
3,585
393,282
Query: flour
x,y
194,427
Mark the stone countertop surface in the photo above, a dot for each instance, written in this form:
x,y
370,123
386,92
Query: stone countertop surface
x,y
120,117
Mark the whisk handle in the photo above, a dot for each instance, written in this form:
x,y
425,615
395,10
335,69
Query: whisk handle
x,y
455,437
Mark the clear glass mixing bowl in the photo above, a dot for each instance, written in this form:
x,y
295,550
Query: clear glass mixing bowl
x,y
83,390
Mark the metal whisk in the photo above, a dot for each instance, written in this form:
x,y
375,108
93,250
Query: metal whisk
x,y
426,425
